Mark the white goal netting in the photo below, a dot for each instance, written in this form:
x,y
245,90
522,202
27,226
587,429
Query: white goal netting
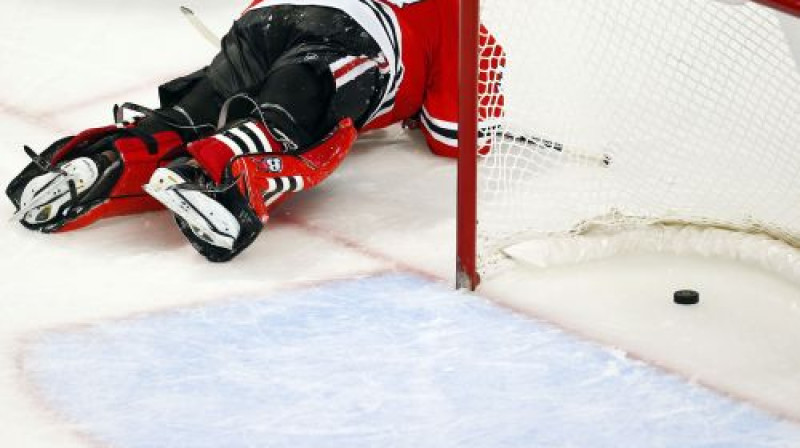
x,y
669,111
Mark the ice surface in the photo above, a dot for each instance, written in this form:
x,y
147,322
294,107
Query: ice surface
x,y
389,208
392,360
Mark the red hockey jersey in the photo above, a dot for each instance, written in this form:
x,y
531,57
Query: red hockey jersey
x,y
419,40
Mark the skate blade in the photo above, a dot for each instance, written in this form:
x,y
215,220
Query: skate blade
x,y
43,198
53,189
207,218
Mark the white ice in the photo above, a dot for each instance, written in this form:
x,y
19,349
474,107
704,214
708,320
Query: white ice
x,y
390,208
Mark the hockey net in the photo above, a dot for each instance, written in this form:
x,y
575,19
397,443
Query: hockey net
x,y
623,115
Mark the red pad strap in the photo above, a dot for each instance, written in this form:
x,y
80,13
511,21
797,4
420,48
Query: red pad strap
x,y
87,136
140,163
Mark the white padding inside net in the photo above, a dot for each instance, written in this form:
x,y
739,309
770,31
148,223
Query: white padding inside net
x,y
756,249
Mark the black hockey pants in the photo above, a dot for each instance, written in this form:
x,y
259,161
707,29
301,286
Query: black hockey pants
x,y
282,58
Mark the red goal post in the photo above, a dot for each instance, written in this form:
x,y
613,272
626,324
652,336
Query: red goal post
x,y
467,210
787,6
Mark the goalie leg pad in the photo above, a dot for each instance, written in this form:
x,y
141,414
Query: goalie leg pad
x,y
139,159
253,184
118,191
268,179
244,138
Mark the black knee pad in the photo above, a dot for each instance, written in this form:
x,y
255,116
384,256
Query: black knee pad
x,y
305,99
297,99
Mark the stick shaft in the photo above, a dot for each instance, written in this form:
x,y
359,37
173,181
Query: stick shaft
x,y
201,27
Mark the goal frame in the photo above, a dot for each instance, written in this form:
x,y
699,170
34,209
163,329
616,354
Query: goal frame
x,y
467,276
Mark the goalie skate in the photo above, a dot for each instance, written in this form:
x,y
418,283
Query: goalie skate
x,y
53,193
206,218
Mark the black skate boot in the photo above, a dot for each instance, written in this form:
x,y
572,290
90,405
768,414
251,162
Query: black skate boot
x,y
217,220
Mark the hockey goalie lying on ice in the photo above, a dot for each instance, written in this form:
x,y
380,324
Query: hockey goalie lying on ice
x,y
273,114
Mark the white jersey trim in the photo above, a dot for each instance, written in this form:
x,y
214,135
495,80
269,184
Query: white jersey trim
x,y
445,132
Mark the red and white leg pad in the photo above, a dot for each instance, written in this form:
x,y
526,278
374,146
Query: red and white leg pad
x,y
40,191
223,221
139,161
248,138
268,179
265,172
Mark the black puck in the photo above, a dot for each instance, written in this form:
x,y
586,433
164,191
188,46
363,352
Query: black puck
x,y
686,297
